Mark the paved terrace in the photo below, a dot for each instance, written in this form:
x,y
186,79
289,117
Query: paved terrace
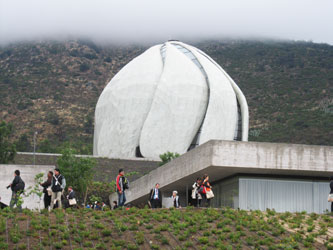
x,y
221,159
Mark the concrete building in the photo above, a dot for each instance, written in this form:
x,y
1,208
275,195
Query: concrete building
x,y
173,97
247,175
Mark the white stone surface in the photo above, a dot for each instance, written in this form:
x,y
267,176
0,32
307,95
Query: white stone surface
x,y
221,116
160,104
124,105
28,173
177,109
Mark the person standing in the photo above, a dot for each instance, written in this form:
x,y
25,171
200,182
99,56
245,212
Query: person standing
x,y
120,188
17,187
45,185
175,199
156,196
71,198
331,192
57,187
195,192
207,188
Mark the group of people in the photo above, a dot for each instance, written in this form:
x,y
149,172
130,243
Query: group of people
x,y
202,192
54,186
53,189
155,198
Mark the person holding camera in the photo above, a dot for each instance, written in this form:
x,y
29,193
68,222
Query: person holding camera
x,y
17,187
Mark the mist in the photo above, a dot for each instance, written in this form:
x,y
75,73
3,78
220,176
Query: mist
x,y
129,21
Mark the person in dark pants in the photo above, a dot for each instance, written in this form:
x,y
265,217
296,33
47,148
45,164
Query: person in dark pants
x,y
45,185
17,187
156,197
71,198
331,192
207,187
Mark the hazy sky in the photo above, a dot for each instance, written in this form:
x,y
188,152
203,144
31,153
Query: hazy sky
x,y
155,20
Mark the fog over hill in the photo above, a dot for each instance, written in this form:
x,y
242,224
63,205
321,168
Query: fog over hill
x,y
52,87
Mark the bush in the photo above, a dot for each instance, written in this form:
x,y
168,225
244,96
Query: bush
x,y
167,157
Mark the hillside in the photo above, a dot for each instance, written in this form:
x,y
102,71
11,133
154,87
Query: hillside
x,y
53,87
164,229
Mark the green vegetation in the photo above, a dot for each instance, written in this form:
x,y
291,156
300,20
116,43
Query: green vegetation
x,y
90,229
77,171
7,149
167,157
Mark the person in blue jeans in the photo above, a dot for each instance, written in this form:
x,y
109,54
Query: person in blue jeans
x,y
120,188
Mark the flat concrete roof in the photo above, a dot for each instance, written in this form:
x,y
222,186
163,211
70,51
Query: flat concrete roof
x,y
222,159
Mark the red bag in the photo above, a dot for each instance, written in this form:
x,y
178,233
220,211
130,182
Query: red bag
x,y
202,189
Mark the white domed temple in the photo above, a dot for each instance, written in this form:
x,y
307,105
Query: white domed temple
x,y
173,97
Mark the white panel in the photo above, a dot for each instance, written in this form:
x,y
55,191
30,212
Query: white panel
x,y
221,117
283,195
240,97
124,104
177,109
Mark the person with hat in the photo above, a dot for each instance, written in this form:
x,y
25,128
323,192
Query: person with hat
x,y
57,187
175,198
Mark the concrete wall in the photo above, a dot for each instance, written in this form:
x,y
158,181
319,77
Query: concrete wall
x,y
222,159
28,173
106,169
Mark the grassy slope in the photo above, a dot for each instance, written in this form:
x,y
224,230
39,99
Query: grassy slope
x,y
53,87
164,229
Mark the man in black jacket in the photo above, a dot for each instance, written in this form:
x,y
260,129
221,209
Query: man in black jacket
x,y
57,186
17,187
156,197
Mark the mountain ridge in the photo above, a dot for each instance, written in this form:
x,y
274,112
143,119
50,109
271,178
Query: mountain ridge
x,y
53,87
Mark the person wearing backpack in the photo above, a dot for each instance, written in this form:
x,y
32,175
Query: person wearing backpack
x,y
121,185
17,187
57,186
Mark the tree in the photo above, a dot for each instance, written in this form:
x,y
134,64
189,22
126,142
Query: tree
x,y
167,157
23,144
78,172
7,149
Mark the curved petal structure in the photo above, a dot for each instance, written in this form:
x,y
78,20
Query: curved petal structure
x,y
178,106
173,97
124,104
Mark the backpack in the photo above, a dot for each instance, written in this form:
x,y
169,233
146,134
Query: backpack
x,y
125,182
20,186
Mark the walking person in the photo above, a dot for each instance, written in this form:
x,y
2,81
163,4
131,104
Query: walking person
x,y
120,182
17,187
331,192
57,187
207,194
156,196
47,194
196,196
175,199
